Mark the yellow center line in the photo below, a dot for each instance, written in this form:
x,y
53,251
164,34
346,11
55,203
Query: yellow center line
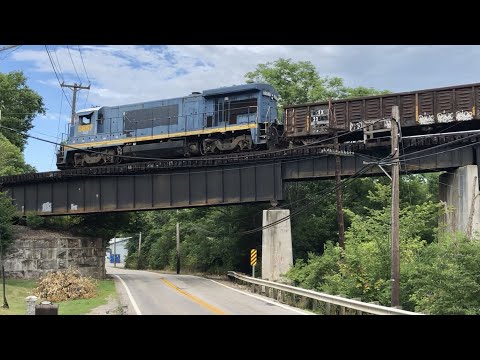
x,y
206,305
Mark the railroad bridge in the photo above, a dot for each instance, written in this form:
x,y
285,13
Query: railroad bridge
x,y
232,179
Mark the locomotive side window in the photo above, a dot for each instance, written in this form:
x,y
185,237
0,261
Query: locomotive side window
x,y
242,107
86,119
227,110
219,111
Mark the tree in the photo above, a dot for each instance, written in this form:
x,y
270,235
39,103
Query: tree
x,y
364,91
300,82
7,211
296,82
19,105
11,159
363,268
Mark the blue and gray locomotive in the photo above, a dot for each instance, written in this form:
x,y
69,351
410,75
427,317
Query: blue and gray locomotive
x,y
216,121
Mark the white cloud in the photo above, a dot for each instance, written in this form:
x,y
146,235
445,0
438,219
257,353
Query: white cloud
x,y
125,74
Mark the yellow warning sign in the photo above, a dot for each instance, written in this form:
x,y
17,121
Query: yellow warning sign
x,y
253,257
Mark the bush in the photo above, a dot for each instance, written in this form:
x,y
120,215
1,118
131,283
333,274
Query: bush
x,y
35,221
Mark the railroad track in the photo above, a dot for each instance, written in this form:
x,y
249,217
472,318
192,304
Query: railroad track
x,y
345,149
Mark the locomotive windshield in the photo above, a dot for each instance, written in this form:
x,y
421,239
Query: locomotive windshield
x,y
85,119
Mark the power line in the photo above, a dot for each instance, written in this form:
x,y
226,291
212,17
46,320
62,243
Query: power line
x,y
12,47
8,47
444,130
86,98
58,129
58,62
296,212
115,155
311,203
68,48
441,152
81,57
56,75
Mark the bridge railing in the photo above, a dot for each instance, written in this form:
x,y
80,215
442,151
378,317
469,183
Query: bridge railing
x,y
278,290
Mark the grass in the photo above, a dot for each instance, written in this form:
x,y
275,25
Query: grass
x,y
18,289
105,289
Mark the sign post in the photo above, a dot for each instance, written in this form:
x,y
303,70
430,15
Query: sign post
x,y
253,260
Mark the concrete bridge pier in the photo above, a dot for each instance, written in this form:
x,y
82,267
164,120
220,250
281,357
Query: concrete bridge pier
x,y
459,191
277,255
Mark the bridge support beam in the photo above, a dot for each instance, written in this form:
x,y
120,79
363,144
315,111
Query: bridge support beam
x,y
277,255
459,191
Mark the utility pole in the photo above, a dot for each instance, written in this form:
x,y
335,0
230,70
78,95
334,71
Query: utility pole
x,y
139,249
178,245
5,303
338,183
139,244
74,88
115,251
395,208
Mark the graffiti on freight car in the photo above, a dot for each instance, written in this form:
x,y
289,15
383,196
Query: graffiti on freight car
x,y
444,117
426,119
355,126
464,115
319,116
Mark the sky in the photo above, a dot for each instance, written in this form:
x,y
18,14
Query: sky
x,y
123,74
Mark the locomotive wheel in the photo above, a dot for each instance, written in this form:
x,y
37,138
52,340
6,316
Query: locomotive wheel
x,y
117,159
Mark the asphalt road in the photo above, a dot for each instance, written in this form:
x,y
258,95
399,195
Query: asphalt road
x,y
149,293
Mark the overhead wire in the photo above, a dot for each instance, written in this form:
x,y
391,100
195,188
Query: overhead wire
x,y
132,157
56,75
310,203
86,74
73,63
58,129
58,63
14,48
441,152
81,57
158,158
297,211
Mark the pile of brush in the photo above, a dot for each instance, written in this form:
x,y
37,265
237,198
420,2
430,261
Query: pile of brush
x,y
65,285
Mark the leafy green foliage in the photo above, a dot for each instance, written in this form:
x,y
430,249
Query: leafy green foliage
x,y
34,221
299,82
445,278
295,82
11,159
19,105
105,225
210,239
364,91
7,212
439,273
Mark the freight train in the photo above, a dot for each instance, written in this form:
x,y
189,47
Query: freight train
x,y
244,118
421,112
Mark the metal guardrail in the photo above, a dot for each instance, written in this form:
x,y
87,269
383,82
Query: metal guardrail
x,y
329,299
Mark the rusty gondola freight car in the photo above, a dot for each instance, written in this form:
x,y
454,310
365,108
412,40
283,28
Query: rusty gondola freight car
x,y
421,111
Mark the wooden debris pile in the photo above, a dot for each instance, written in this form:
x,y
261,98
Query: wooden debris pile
x,y
65,285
